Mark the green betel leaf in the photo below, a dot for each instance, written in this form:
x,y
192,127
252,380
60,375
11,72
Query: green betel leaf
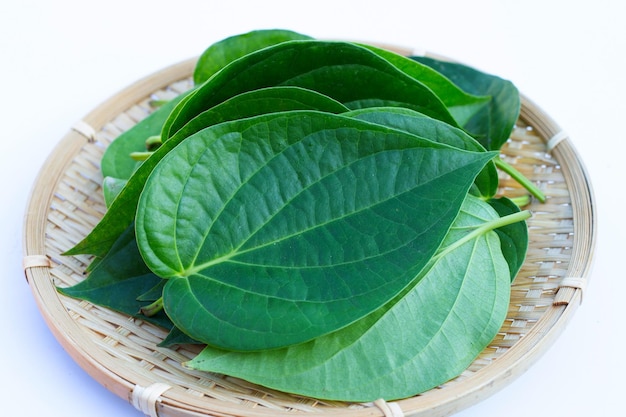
x,y
277,229
349,73
492,125
485,184
221,53
420,340
119,280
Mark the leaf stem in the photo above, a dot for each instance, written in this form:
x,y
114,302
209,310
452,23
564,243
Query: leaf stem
x,y
158,103
521,201
153,143
140,156
484,228
520,178
152,309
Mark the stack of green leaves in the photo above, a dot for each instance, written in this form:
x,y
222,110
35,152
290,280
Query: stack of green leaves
x,y
321,216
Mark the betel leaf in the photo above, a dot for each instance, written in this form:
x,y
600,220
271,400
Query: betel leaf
x,y
121,211
277,229
221,53
485,184
418,341
116,161
492,125
349,73
118,280
462,105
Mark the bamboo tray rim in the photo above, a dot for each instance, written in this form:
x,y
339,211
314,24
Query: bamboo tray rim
x,y
155,397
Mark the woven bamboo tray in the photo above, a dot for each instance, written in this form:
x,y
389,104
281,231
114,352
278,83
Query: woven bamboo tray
x,y
121,353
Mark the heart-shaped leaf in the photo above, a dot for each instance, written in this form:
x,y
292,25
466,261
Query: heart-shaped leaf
x,y
277,229
420,340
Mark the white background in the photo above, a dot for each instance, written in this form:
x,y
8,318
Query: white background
x,y
60,59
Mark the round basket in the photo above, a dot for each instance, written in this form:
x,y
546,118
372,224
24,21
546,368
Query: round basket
x,y
121,353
